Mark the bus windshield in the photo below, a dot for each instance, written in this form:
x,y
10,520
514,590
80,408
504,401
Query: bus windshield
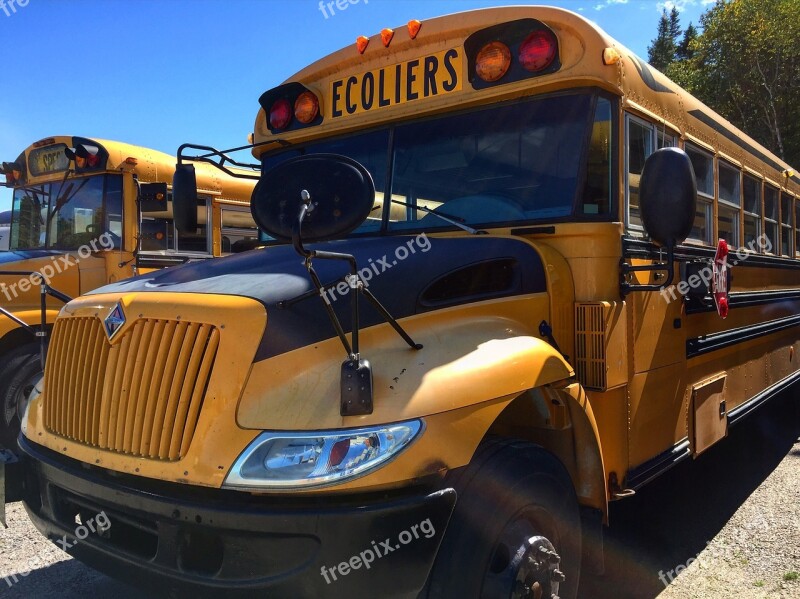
x,y
540,159
67,216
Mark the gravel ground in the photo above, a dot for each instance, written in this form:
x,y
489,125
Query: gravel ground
x,y
733,516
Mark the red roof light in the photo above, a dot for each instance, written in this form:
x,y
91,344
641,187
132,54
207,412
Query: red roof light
x,y
538,51
280,115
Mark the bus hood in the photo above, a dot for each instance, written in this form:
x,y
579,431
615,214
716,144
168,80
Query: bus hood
x,y
408,274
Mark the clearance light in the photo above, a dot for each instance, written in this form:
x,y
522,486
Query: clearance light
x,y
413,28
293,460
47,141
611,56
361,43
131,160
280,115
306,107
493,61
537,51
386,37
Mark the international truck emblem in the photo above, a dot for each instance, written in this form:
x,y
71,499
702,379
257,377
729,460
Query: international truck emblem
x,y
114,321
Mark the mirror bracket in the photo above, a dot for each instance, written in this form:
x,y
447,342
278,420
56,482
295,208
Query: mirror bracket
x,y
356,381
666,267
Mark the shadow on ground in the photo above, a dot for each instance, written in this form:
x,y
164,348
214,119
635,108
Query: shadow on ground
x,y
671,520
66,580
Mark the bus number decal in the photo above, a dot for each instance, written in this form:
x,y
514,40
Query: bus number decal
x,y
427,77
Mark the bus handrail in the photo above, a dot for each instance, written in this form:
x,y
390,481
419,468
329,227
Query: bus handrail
x,y
44,291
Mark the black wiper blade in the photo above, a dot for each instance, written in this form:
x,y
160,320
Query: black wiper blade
x,y
449,218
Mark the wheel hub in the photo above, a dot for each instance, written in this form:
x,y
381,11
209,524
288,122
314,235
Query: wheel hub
x,y
536,565
525,565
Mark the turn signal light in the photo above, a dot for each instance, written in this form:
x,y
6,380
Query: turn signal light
x,y
280,115
493,61
537,51
306,107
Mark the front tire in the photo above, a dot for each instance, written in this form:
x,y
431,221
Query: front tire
x,y
515,532
18,377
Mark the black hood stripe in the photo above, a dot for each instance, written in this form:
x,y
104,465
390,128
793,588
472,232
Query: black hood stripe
x,y
408,275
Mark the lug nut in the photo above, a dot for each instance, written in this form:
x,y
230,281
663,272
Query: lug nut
x,y
557,576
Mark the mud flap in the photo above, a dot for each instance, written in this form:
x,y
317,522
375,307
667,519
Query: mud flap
x,y
7,458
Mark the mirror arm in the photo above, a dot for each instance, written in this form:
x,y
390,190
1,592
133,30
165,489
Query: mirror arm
x,y
222,160
625,269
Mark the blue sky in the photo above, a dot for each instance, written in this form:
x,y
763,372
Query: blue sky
x,y
159,73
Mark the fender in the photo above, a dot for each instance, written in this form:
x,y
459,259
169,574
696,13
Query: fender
x,y
472,354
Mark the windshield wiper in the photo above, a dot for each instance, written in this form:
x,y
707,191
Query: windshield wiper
x,y
449,218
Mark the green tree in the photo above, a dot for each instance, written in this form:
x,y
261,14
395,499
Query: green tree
x,y
746,64
685,49
662,51
674,25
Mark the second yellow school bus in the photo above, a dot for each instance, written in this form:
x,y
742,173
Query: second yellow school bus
x,y
87,212
512,170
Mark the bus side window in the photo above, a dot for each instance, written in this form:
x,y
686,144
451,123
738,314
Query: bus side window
x,y
238,229
730,201
752,211
797,229
113,208
786,225
643,139
771,217
703,164
597,189
199,241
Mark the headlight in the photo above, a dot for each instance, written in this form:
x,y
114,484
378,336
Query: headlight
x,y
288,460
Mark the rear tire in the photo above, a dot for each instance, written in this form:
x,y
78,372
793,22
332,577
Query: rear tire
x,y
18,376
514,499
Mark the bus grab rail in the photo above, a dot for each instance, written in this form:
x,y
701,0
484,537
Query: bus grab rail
x,y
44,291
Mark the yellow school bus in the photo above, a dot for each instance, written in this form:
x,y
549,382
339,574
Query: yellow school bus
x,y
531,217
88,212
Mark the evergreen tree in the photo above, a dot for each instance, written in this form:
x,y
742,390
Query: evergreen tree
x,y
684,50
674,25
662,51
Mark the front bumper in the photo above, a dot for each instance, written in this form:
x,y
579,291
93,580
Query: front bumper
x,y
179,539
